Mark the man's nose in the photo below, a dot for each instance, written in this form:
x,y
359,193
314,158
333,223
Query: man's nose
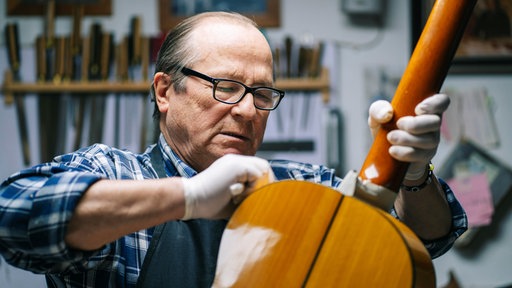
x,y
246,106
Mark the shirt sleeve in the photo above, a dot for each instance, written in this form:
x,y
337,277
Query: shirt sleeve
x,y
35,206
438,247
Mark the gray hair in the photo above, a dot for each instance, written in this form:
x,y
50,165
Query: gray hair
x,y
177,50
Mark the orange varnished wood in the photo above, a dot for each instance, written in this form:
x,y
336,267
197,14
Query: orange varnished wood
x,y
274,235
423,77
276,239
368,248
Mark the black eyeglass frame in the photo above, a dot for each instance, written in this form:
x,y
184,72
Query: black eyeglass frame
x,y
190,72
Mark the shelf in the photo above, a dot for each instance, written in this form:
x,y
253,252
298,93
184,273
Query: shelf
x,y
320,83
11,87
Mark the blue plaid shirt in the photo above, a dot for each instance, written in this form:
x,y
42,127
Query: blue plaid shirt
x,y
37,203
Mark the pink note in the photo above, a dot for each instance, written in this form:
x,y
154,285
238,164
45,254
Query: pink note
x,y
474,194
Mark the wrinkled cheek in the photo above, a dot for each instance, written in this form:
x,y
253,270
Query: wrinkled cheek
x,y
261,132
263,124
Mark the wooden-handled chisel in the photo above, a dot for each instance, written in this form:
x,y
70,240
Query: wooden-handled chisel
x,y
288,48
147,121
277,74
13,49
58,78
288,42
137,70
49,104
96,101
79,55
136,42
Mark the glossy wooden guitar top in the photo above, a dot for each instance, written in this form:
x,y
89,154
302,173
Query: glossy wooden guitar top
x,y
289,238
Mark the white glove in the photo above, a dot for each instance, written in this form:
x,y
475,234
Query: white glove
x,y
214,193
417,137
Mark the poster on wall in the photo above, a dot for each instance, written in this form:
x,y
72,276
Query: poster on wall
x,y
264,12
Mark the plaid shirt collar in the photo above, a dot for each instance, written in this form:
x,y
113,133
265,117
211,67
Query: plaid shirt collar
x,y
174,166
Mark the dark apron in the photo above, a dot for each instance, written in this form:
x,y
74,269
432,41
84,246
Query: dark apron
x,y
181,253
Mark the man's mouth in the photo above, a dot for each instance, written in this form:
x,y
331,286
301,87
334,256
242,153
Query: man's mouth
x,y
235,135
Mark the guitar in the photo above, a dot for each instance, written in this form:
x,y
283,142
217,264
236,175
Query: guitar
x,y
301,234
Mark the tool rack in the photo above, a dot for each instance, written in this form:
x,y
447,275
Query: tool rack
x,y
10,87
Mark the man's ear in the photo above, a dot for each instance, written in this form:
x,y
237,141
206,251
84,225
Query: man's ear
x,y
161,83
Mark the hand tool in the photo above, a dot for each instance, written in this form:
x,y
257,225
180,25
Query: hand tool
x,y
139,58
147,121
49,104
82,99
288,42
312,66
13,49
122,76
58,78
96,101
135,121
80,55
277,73
289,73
303,72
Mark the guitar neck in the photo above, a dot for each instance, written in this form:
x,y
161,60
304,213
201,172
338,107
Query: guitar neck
x,y
423,77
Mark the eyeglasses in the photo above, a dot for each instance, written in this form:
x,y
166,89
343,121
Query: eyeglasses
x,y
231,91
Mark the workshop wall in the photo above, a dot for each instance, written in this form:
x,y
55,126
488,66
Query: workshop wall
x,y
359,48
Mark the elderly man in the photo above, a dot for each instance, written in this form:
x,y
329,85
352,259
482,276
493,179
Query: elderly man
x,y
105,217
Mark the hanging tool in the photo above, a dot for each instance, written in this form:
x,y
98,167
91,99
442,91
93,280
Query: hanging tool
x,y
139,59
316,59
13,49
135,74
277,74
97,102
122,76
68,109
312,67
49,104
288,42
79,55
147,121
303,72
105,65
82,99
58,78
107,54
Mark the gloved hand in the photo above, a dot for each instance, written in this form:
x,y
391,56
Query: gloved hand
x,y
417,137
211,194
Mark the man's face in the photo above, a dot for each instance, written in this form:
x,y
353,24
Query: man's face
x,y
201,129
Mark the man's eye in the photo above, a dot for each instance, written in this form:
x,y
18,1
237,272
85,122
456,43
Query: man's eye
x,y
225,89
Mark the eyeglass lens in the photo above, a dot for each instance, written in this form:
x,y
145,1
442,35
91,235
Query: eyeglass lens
x,y
231,92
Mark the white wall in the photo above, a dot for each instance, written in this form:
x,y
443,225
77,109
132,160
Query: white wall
x,y
323,18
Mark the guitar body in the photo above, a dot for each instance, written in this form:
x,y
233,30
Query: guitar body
x,y
301,234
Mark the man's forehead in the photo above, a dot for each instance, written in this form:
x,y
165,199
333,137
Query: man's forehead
x,y
230,35
219,28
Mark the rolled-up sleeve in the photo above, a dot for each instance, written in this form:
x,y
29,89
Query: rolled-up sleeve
x,y
441,245
35,206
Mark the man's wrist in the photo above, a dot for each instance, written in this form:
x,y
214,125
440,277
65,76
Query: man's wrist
x,y
422,182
